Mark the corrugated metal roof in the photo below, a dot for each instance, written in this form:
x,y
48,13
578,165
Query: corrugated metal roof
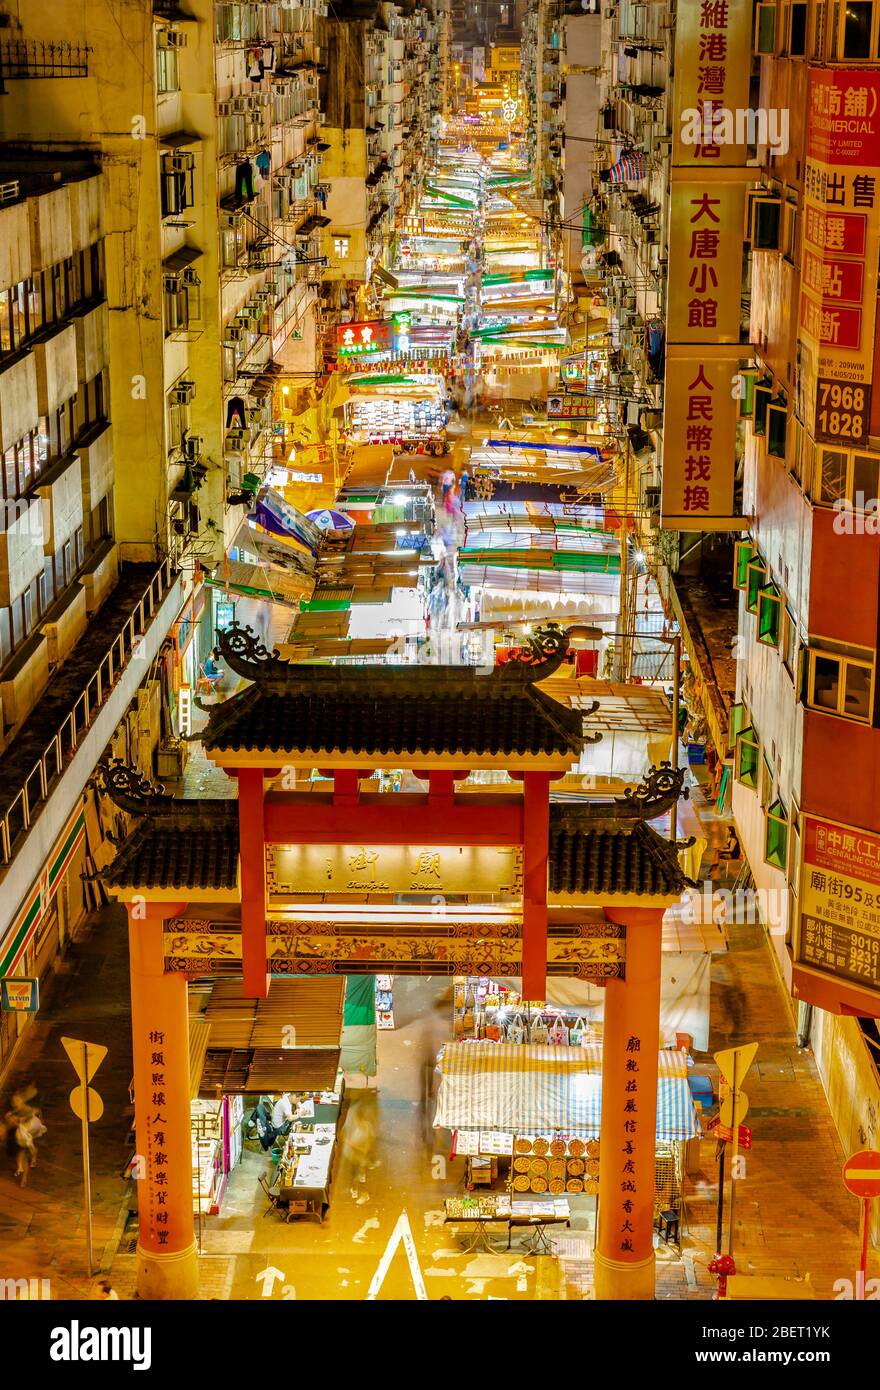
x,y
313,1007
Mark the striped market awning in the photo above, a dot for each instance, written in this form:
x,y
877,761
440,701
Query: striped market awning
x,y
525,1089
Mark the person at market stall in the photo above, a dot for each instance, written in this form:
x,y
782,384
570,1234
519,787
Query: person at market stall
x,y
463,484
283,1114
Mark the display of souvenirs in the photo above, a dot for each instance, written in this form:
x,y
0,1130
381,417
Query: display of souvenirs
x,y
487,1011
555,1164
487,1207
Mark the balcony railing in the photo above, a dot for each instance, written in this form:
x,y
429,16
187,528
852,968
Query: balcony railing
x,y
31,58
34,791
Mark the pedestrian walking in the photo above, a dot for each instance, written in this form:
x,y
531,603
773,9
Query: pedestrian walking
x,y
105,1292
28,1128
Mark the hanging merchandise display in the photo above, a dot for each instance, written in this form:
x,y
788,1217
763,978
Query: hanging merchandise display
x,y
384,1001
486,1010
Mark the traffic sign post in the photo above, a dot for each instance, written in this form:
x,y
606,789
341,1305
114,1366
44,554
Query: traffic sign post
x,y
733,1063
87,1105
861,1177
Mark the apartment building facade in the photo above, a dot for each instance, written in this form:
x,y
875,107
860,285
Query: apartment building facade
x,y
808,570
761,320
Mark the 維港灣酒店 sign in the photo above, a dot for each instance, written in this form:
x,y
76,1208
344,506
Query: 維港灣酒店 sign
x,y
840,250
839,921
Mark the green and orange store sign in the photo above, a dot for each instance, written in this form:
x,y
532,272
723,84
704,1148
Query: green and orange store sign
x,y
38,900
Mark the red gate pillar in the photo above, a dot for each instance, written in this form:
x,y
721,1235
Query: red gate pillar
x,y
252,841
624,1264
536,840
167,1260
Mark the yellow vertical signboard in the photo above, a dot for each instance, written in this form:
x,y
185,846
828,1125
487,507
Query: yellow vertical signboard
x,y
709,146
698,451
712,66
705,252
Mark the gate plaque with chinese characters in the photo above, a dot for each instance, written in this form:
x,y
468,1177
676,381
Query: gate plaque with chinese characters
x,y
316,870
839,928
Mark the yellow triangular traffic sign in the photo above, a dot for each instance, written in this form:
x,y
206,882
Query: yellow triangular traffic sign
x,y
744,1055
86,1057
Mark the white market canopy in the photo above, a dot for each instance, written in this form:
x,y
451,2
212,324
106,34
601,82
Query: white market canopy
x,y
520,1088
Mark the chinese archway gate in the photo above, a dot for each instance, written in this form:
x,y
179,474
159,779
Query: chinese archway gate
x,y
449,878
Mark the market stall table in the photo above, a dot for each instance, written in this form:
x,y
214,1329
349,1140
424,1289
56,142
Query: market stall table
x,y
305,1172
531,1217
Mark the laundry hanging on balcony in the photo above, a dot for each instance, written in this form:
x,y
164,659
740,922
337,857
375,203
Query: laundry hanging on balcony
x,y
629,168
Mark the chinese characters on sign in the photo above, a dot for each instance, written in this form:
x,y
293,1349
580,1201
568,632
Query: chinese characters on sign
x,y
356,339
628,1185
571,407
698,457
320,869
841,240
712,63
712,60
840,902
706,232
157,1155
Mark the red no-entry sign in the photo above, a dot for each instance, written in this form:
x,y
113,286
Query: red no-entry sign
x,y
861,1174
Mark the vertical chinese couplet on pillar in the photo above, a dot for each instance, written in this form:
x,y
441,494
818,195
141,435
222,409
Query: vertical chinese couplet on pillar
x,y
156,1156
628,1180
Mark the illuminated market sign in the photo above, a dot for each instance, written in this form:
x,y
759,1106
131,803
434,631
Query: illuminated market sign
x,y
355,339
712,72
838,930
319,869
841,243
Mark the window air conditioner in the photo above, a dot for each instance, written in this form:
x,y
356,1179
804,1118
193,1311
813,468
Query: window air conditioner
x,y
183,392
171,282
178,163
233,333
192,447
175,38
190,277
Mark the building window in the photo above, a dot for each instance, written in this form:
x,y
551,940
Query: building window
x,y
769,615
340,247
748,757
739,718
743,554
177,183
789,642
777,421
166,69
797,32
857,17
13,317
776,835
794,849
841,684
756,578
842,473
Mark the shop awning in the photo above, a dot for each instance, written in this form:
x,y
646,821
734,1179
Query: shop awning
x,y
523,1089
230,1071
199,1035
246,1035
